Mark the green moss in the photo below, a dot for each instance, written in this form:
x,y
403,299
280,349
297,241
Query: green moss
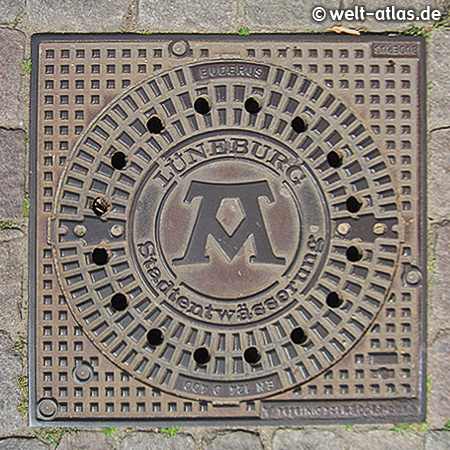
x,y
22,407
50,436
348,427
110,431
421,427
27,66
244,31
26,205
9,225
170,432
428,384
426,31
447,425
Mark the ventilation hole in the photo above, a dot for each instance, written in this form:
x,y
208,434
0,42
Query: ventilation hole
x,y
334,159
155,125
334,300
353,254
298,336
119,302
252,355
100,256
202,356
100,206
118,160
202,106
353,204
252,105
299,125
155,337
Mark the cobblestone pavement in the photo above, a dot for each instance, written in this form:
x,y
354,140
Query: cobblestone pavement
x,y
21,18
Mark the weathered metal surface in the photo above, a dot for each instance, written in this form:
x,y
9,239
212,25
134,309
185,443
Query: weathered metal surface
x,y
227,228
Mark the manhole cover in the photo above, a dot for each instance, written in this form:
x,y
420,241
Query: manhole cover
x,y
227,228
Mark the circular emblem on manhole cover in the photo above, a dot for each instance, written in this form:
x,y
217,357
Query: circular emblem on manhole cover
x,y
229,221
237,236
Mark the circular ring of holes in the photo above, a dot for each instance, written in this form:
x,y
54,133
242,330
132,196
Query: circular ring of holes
x,y
353,253
155,337
119,302
100,256
155,125
338,157
119,160
202,356
202,105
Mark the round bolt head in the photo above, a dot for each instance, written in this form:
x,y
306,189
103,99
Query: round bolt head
x,y
413,276
83,372
343,228
79,230
180,48
379,228
47,408
117,230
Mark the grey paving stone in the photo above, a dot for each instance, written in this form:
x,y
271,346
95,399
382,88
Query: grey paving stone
x,y
76,15
85,440
12,155
213,16
438,412
12,249
439,174
10,10
383,25
307,440
284,15
438,79
22,444
10,364
157,441
236,440
383,440
437,440
12,45
328,440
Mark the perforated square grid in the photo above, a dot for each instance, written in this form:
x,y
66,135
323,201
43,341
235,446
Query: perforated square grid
x,y
316,315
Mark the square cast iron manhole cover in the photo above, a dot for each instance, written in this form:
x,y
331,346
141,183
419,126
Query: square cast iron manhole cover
x,y
227,229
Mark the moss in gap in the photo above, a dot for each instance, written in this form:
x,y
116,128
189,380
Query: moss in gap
x,y
27,66
428,384
26,205
170,432
244,31
9,224
421,427
447,425
110,431
22,384
426,31
50,436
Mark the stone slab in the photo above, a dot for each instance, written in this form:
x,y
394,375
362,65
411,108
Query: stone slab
x,y
212,16
329,440
12,173
283,15
237,440
22,444
157,441
12,48
10,364
11,11
438,79
76,16
439,174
